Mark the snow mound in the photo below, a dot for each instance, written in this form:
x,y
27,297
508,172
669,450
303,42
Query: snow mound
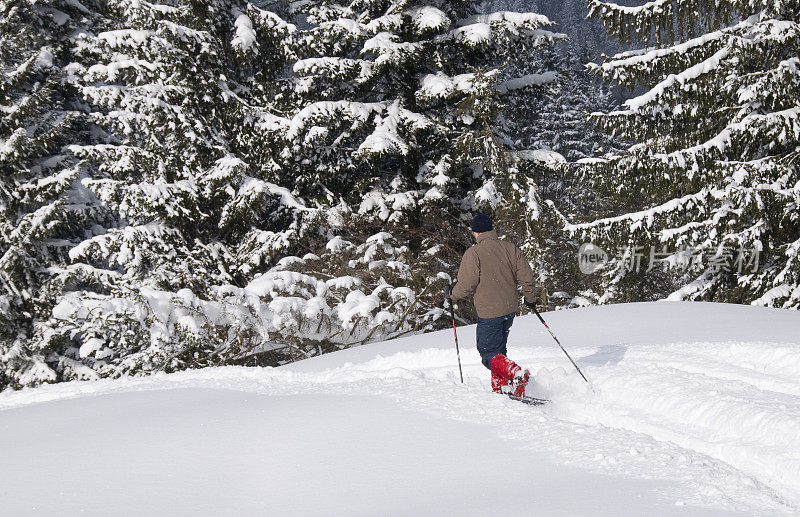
x,y
691,409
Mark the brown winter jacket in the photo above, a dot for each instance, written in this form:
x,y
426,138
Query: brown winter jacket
x,y
492,269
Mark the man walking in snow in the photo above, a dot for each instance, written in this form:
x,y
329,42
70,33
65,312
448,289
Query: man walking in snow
x,y
490,271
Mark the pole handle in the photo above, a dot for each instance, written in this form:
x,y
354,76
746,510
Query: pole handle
x,y
533,306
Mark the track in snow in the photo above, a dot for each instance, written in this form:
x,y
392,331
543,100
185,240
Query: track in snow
x,y
722,416
733,403
701,399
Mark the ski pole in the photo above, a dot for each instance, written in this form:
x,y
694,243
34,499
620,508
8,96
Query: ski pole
x,y
447,289
533,306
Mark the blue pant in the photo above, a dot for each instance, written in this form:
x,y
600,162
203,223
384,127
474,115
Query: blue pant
x,y
492,336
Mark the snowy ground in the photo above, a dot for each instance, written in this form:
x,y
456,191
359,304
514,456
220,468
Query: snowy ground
x,y
693,409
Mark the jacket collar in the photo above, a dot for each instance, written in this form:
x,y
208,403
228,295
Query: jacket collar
x,y
491,234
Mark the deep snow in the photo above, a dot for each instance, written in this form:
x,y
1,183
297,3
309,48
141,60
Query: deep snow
x,y
693,409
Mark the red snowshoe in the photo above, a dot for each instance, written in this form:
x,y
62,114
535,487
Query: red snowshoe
x,y
519,383
507,373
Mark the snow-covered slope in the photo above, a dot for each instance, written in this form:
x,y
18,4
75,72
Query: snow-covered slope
x,y
693,409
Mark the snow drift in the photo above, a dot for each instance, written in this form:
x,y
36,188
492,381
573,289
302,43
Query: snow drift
x,y
693,409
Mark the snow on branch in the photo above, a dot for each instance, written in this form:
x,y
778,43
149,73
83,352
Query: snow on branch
x,y
125,37
661,20
331,110
654,5
781,291
520,22
245,39
442,86
527,80
251,186
137,201
626,66
501,28
772,83
388,49
700,284
542,156
386,138
131,247
647,216
705,67
184,33
269,20
429,18
335,68
389,207
776,128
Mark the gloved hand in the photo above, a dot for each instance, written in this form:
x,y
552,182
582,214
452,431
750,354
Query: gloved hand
x,y
530,305
448,302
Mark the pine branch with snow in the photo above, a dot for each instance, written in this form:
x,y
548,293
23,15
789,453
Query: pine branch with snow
x,y
715,164
44,209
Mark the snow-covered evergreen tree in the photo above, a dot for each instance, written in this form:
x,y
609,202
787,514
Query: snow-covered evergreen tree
x,y
182,91
175,84
549,129
713,182
570,17
44,209
377,80
273,193
396,128
557,118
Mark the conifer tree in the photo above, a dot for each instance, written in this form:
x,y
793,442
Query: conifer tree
x,y
557,118
44,209
272,193
182,92
712,183
570,17
397,126
171,84
549,130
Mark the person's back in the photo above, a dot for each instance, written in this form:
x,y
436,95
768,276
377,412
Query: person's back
x,y
491,270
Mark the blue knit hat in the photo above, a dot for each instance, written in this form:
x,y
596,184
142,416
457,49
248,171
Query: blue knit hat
x,y
481,223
